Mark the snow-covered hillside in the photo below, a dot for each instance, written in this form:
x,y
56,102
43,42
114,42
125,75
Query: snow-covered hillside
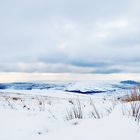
x,y
75,87
53,111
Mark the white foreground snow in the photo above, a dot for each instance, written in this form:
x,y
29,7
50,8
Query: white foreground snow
x,y
113,127
34,116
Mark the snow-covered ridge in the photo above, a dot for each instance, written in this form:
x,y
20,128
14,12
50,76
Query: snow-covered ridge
x,y
76,87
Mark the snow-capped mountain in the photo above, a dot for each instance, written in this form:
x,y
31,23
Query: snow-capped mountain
x,y
76,87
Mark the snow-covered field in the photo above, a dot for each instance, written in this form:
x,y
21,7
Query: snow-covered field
x,y
60,112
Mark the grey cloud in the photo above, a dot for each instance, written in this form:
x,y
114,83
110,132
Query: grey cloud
x,y
108,71
93,36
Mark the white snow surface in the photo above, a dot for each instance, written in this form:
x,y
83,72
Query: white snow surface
x,y
113,127
42,115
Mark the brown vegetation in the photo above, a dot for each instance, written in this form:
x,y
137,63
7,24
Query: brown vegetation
x,y
134,96
133,109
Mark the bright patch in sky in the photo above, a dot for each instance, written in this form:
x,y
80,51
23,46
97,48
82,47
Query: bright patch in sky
x,y
65,77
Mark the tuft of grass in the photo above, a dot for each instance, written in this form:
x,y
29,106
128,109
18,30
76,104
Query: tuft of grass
x,y
94,112
132,109
134,96
41,103
75,112
78,110
135,110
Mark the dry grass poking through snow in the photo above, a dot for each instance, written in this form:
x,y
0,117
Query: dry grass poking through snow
x,y
132,106
78,110
134,96
75,112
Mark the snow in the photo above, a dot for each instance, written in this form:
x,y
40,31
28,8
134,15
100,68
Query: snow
x,y
113,127
42,115
23,125
82,87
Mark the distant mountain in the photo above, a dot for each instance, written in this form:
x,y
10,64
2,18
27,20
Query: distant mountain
x,y
75,87
130,82
30,86
93,88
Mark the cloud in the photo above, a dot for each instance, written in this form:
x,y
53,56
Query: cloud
x,y
70,36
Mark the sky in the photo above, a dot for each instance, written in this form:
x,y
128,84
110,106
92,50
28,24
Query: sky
x,y
70,36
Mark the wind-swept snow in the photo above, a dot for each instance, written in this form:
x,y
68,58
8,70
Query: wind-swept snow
x,y
48,114
113,127
16,124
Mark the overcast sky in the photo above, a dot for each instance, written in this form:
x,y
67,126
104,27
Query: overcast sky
x,y
76,36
